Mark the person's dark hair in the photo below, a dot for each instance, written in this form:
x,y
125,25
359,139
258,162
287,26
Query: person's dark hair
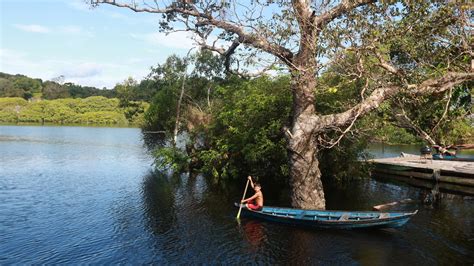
x,y
256,184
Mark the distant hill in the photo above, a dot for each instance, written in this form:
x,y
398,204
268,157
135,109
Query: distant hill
x,y
25,87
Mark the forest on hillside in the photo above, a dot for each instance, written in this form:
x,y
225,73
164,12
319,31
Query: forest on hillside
x,y
30,100
93,110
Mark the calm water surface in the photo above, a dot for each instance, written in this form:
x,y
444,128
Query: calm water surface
x,y
87,195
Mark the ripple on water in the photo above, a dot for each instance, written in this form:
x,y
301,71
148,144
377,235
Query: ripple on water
x,y
82,196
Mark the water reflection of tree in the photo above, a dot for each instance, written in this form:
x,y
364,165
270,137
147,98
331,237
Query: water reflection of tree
x,y
159,201
153,140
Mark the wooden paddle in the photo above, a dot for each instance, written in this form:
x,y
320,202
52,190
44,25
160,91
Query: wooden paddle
x,y
243,197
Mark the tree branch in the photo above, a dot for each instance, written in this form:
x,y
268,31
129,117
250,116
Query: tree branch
x,y
430,86
408,123
206,19
436,86
347,5
445,112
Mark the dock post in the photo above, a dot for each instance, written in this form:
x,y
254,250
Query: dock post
x,y
435,190
433,195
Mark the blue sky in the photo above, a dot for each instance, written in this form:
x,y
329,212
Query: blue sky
x,y
97,47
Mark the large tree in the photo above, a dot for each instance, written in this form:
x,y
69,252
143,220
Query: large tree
x,y
305,37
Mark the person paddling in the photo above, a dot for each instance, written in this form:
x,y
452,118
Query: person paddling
x,y
256,201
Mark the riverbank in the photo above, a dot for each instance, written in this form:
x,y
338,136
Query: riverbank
x,y
95,110
27,124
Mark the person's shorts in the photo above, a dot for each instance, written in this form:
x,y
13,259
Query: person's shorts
x,y
254,207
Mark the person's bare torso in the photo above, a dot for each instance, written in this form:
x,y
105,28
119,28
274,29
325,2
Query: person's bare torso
x,y
259,198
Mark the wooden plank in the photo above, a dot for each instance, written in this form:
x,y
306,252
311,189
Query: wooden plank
x,y
444,187
429,176
454,168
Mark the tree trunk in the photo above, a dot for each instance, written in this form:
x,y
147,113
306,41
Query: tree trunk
x,y
306,186
178,109
305,181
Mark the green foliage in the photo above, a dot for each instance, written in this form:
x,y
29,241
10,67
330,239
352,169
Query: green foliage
x,y
78,91
125,91
26,87
343,162
335,93
10,108
378,126
53,90
134,112
131,90
103,117
162,111
168,79
171,158
246,133
97,103
459,131
8,90
388,133
92,110
12,102
208,65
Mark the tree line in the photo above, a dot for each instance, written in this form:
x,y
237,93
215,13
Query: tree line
x,y
93,110
31,100
25,87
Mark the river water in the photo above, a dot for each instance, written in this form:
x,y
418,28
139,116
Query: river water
x,y
82,195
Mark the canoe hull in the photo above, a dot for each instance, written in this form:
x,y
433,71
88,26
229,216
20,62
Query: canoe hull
x,y
451,158
329,219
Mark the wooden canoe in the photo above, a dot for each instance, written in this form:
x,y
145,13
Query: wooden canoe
x,y
330,219
451,158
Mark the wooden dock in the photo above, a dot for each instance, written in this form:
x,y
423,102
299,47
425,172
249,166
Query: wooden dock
x,y
450,176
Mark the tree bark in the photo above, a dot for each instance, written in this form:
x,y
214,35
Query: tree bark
x,y
306,186
178,110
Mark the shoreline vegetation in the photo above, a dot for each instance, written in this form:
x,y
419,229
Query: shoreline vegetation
x,y
93,111
26,124
25,100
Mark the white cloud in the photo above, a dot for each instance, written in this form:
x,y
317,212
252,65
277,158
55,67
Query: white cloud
x,y
33,28
77,71
66,29
177,40
116,15
74,30
13,62
71,29
83,70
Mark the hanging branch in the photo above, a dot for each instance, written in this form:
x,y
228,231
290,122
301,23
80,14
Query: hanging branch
x,y
406,122
446,108
178,107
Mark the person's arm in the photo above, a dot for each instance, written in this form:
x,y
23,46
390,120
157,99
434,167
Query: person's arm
x,y
251,181
251,198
